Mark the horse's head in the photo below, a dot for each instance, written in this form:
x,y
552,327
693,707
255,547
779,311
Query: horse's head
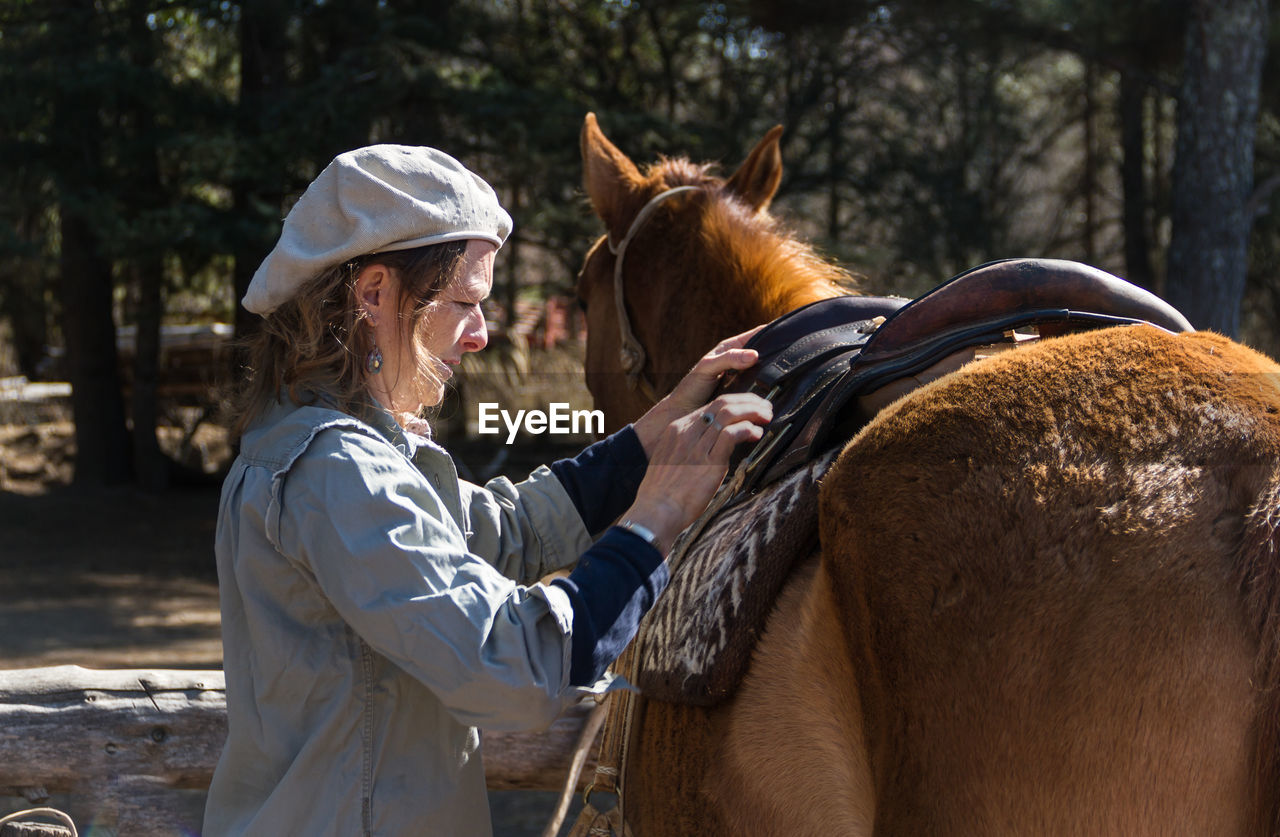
x,y
695,257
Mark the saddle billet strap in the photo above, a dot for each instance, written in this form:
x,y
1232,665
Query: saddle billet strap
x,y
798,404
624,704
794,399
814,348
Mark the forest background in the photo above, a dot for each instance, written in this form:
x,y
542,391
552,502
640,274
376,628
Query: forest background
x,y
150,148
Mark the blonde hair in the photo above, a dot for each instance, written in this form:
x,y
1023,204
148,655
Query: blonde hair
x,y
313,345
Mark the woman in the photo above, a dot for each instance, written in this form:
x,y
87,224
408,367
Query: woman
x,y
375,611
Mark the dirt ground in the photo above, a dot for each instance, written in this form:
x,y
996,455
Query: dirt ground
x,y
120,578
114,578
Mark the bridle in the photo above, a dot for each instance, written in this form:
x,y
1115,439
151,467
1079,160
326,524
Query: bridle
x,y
631,354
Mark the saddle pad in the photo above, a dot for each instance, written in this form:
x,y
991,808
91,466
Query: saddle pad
x,y
696,642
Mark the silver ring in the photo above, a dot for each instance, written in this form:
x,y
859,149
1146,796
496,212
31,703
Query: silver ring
x,y
707,418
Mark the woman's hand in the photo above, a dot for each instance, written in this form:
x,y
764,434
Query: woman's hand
x,y
695,388
689,460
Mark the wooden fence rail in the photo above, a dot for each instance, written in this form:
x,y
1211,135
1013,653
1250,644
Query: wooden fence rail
x,y
126,740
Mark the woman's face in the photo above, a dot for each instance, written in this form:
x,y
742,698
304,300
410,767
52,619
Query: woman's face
x,y
452,325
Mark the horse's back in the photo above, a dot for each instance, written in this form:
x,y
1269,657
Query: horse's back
x,y
1059,586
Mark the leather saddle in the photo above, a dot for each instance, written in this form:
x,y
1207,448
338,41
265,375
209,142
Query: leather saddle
x,y
830,366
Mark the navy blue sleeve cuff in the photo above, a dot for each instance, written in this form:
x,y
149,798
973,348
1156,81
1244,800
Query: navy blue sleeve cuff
x,y
602,480
615,583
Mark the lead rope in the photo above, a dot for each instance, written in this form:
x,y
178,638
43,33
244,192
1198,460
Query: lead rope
x,y
631,354
591,821
588,737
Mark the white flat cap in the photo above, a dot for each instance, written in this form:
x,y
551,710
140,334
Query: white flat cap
x,y
371,200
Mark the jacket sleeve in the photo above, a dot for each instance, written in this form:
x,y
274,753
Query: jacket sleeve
x,y
526,530
603,479
395,566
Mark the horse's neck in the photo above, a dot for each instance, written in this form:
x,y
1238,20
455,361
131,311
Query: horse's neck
x,y
751,276
781,300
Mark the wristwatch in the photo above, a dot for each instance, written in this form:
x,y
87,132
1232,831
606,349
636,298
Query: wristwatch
x,y
644,533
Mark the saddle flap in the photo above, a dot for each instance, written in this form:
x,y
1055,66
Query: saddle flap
x,y
805,351
696,642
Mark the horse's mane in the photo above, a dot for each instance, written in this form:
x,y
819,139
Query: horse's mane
x,y
763,264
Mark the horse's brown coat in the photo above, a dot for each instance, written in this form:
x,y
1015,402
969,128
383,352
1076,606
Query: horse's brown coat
x,y
1049,590
1039,570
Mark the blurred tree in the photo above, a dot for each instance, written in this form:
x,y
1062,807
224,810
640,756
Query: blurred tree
x,y
964,163
157,144
27,264
140,161
28,251
315,78
1218,104
107,123
257,176
82,85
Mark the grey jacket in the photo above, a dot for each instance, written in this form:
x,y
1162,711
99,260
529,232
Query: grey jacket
x,y
373,616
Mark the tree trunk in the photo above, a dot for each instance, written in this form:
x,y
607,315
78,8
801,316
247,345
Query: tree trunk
x,y
22,303
88,330
257,182
836,163
151,466
1090,189
1133,138
511,255
1213,165
85,281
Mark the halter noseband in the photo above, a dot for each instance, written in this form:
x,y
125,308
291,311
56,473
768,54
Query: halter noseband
x,y
631,354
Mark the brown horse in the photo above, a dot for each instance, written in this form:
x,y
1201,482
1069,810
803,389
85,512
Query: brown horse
x,y
1048,598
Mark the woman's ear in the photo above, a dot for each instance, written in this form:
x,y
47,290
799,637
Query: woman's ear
x,y
374,292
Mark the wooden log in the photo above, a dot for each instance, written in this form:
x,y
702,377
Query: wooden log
x,y
60,725
129,738
537,761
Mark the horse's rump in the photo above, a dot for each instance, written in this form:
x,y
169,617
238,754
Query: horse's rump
x,y
1043,560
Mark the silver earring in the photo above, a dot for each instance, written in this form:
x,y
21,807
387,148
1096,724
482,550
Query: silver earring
x,y
373,361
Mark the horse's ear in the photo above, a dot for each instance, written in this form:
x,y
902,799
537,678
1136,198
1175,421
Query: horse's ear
x,y
608,175
756,180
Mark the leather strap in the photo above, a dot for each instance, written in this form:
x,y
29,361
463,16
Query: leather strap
x,y
631,353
